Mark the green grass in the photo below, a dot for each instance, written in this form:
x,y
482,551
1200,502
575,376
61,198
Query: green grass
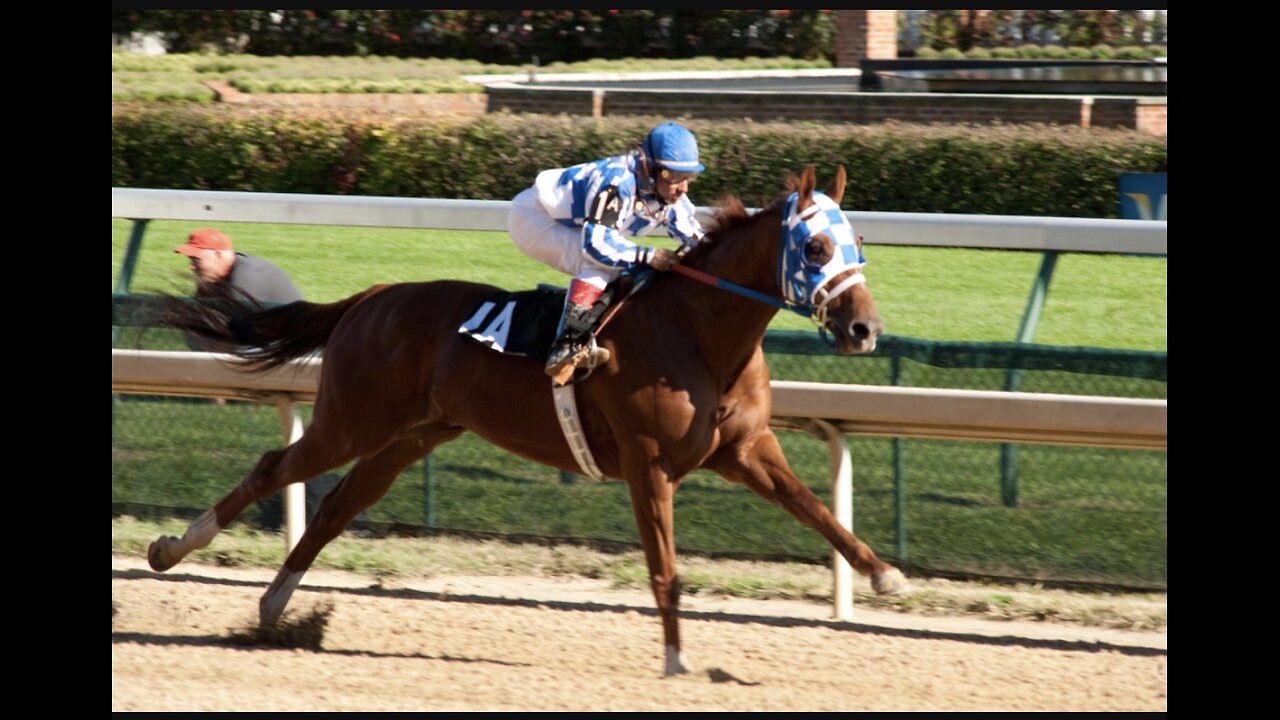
x,y
935,293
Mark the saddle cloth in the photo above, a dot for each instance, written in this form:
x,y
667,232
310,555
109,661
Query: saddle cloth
x,y
517,323
524,323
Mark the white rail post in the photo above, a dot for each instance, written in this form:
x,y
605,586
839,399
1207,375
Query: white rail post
x,y
295,494
842,507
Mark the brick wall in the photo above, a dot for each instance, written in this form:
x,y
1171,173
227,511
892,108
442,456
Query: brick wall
x,y
1154,118
865,34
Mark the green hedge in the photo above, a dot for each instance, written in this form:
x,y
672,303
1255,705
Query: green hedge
x,y
1008,170
502,36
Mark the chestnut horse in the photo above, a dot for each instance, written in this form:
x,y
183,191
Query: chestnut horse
x,y
686,387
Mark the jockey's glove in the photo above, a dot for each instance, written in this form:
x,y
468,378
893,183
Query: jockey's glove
x,y
661,259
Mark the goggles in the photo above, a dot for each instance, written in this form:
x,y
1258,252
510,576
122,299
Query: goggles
x,y
675,177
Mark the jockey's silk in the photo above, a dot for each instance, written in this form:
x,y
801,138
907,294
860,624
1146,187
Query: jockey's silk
x,y
800,279
568,193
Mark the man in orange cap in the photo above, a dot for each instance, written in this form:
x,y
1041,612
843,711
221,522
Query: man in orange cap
x,y
214,261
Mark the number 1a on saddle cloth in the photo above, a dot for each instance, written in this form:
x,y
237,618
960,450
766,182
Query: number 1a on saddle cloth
x,y
524,323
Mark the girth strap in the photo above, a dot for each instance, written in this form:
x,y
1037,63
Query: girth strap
x,y
567,413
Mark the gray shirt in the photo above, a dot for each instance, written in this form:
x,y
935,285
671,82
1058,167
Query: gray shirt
x,y
261,280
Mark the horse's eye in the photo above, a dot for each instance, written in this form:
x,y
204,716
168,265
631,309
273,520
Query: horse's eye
x,y
818,250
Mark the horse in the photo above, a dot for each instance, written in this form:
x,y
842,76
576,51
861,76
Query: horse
x,y
686,387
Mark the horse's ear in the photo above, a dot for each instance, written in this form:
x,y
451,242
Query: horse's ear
x,y
836,191
805,188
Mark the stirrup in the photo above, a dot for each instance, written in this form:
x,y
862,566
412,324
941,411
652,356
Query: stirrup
x,y
596,356
580,356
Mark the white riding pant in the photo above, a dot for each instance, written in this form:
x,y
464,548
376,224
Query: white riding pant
x,y
539,236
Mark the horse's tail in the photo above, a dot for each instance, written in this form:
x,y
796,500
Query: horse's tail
x,y
229,321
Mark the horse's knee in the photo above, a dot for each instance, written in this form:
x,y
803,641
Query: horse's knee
x,y
673,592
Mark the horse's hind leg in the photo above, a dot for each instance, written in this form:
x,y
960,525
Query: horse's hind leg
x,y
758,463
313,454
364,485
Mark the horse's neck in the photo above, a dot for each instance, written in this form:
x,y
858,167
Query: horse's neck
x,y
750,258
728,326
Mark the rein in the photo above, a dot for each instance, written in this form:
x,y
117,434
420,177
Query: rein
x,y
715,282
723,284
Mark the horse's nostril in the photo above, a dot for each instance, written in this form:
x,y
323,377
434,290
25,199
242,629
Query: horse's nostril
x,y
861,331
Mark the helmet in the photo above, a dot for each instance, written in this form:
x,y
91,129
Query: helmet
x,y
672,146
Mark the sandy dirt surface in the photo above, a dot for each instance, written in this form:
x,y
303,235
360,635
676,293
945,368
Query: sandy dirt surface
x,y
502,643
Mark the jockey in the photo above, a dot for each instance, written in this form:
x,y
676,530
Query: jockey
x,y
578,219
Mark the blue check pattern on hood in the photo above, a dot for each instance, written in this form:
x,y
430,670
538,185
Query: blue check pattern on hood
x,y
800,279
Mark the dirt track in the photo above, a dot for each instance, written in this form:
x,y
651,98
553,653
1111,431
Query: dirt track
x,y
537,644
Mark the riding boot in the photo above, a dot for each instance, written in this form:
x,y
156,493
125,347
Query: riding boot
x,y
575,346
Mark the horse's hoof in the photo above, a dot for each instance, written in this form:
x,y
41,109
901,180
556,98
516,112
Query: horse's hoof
x,y
891,582
268,615
676,664
158,553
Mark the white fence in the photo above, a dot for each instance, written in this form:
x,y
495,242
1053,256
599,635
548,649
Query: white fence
x,y
1006,232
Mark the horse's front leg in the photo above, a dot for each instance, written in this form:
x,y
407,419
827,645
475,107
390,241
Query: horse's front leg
x,y
652,488
757,462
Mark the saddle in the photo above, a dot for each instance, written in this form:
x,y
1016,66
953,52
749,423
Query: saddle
x,y
524,323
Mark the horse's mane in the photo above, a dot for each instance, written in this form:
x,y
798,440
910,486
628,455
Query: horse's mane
x,y
731,217
730,220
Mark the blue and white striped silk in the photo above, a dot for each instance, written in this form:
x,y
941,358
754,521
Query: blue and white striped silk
x,y
800,279
568,193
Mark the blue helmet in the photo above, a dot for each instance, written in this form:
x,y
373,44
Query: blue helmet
x,y
672,146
